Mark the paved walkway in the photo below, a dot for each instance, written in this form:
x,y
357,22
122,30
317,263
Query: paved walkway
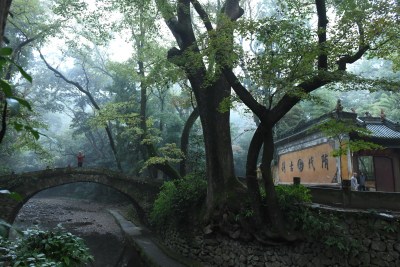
x,y
143,241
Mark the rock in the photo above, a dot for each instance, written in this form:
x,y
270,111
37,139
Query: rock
x,y
207,230
365,258
226,257
235,235
378,246
354,261
218,260
379,262
303,261
242,258
396,246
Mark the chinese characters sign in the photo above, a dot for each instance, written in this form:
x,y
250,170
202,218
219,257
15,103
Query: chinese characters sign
x,y
313,164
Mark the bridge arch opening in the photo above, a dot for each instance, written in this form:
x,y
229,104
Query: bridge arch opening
x,y
95,193
83,209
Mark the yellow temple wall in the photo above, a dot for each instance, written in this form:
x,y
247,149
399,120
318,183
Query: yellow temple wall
x,y
313,165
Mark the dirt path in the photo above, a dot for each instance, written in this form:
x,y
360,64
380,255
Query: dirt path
x,y
89,220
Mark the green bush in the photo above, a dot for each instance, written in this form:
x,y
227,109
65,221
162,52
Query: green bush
x,y
292,195
176,199
44,248
325,227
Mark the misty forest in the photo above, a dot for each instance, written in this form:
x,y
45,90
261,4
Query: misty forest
x,y
192,94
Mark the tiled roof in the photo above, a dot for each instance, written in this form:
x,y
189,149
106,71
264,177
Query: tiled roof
x,y
382,130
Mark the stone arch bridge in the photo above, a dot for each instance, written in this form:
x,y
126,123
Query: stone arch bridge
x,y
142,193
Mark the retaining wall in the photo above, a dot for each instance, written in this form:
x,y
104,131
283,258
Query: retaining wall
x,y
377,238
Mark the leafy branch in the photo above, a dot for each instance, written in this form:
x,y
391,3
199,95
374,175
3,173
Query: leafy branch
x,y
7,94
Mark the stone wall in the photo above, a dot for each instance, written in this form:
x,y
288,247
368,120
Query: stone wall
x,y
377,239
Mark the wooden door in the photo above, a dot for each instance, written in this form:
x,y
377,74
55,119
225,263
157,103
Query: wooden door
x,y
384,174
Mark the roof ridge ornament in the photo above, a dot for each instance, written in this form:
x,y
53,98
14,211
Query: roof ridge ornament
x,y
383,115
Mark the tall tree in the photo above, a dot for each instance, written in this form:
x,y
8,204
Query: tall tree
x,y
303,59
210,89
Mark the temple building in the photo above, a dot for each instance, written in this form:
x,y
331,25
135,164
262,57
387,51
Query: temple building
x,y
307,152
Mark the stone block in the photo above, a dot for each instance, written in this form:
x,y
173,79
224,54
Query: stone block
x,y
354,261
378,246
379,262
365,258
396,246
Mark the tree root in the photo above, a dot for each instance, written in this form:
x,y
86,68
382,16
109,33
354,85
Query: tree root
x,y
238,228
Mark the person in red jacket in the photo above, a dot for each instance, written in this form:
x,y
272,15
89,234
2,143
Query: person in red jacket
x,y
80,158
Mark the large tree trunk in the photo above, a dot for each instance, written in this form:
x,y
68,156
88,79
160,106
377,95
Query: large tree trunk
x,y
222,181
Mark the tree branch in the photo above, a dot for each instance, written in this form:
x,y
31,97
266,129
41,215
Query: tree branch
x,y
348,59
203,15
232,9
4,9
244,94
185,139
167,12
362,49
3,122
14,55
289,100
77,85
322,24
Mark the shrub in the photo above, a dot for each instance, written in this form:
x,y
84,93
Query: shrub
x,y
292,195
177,199
325,227
44,248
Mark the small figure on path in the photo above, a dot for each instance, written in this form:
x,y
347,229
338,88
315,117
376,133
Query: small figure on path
x,y
361,187
80,158
354,183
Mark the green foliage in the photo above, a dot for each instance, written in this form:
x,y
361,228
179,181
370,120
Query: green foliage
x,y
390,228
12,195
295,201
225,105
8,91
5,60
45,248
169,153
177,199
118,112
340,131
289,195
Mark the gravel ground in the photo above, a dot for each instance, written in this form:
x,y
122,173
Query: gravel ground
x,y
87,219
